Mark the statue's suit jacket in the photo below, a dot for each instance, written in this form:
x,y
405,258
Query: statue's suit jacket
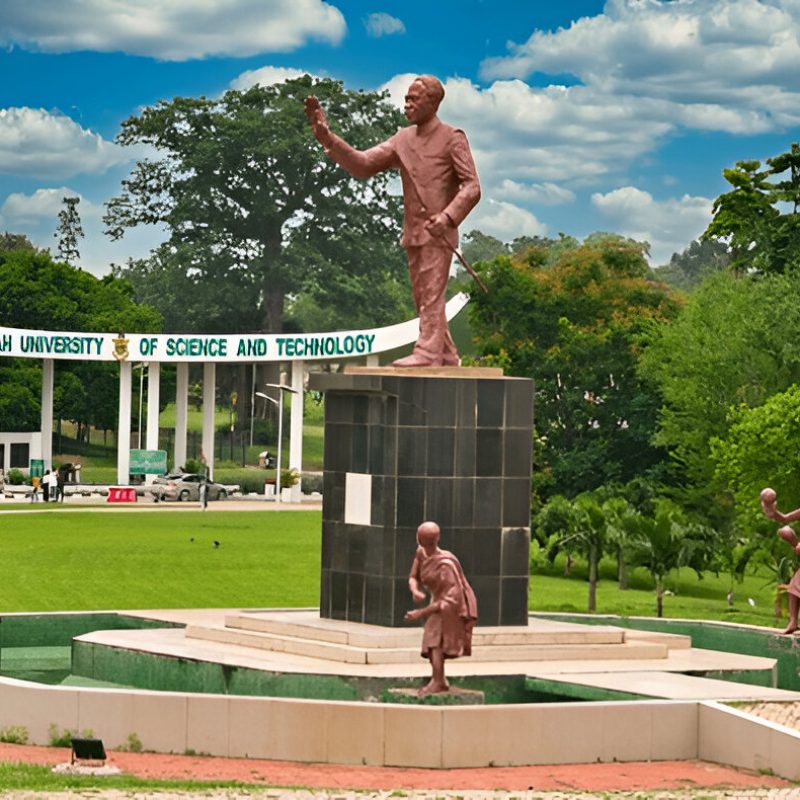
x,y
437,171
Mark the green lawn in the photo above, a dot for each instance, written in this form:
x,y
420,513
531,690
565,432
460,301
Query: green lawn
x,y
99,459
80,560
691,598
119,560
33,777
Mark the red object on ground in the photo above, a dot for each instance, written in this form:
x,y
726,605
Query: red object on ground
x,y
629,776
121,494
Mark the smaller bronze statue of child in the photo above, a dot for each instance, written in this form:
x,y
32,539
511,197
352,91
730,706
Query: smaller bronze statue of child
x,y
452,612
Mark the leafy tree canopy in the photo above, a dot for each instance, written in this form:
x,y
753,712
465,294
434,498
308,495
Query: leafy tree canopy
x,y
758,219
734,344
573,321
15,241
702,258
35,292
760,449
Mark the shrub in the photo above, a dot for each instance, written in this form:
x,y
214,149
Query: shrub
x,y
15,477
14,734
132,745
64,737
312,482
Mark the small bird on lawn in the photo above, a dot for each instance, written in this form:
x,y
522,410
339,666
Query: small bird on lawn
x,y
216,543
751,601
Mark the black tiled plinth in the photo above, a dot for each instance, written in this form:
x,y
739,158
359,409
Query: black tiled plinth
x,y
455,450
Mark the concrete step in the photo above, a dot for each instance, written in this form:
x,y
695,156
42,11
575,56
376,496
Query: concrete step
x,y
408,651
653,684
379,637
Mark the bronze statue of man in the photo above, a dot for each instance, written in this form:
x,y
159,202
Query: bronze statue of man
x,y
440,187
452,612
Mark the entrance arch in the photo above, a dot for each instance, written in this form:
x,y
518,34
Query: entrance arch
x,y
298,349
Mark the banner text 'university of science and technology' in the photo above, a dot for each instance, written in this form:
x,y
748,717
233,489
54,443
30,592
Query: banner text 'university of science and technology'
x,y
175,348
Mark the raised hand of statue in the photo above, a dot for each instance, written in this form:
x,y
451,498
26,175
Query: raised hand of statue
x,y
319,123
769,498
769,505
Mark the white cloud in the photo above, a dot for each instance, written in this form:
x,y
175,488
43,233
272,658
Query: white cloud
x,y
383,24
669,225
171,30
504,221
527,134
35,142
266,76
36,215
546,194
731,65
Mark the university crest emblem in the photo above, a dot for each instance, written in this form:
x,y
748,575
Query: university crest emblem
x,y
121,347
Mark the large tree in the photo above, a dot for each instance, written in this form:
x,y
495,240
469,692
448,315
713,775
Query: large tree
x,y
734,344
702,258
37,293
69,231
758,450
758,219
256,214
572,318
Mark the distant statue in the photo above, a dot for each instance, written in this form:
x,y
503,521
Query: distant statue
x,y
440,187
769,499
453,609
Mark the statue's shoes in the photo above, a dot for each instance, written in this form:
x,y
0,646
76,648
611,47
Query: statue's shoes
x,y
417,360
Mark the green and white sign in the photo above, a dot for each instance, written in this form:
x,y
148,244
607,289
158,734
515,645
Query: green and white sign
x,y
37,467
148,462
231,348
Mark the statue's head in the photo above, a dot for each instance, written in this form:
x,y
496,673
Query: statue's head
x,y
423,98
768,495
428,534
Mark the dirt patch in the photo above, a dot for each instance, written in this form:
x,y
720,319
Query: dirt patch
x,y
633,776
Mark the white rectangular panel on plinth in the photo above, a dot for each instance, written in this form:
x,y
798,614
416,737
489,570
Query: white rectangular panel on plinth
x,y
357,498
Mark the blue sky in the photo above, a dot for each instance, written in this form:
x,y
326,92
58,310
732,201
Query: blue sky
x,y
582,115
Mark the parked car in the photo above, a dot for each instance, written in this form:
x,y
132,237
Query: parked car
x,y
169,478
186,486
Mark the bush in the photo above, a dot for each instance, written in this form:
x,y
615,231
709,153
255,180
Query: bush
x,y
14,734
312,482
15,477
63,738
194,466
133,744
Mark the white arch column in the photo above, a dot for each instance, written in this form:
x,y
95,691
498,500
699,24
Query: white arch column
x,y
46,425
181,413
153,402
296,428
124,424
209,407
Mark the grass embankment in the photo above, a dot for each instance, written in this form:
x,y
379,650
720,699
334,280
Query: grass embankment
x,y
124,560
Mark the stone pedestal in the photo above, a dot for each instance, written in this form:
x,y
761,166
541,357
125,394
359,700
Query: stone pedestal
x,y
451,445
455,697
